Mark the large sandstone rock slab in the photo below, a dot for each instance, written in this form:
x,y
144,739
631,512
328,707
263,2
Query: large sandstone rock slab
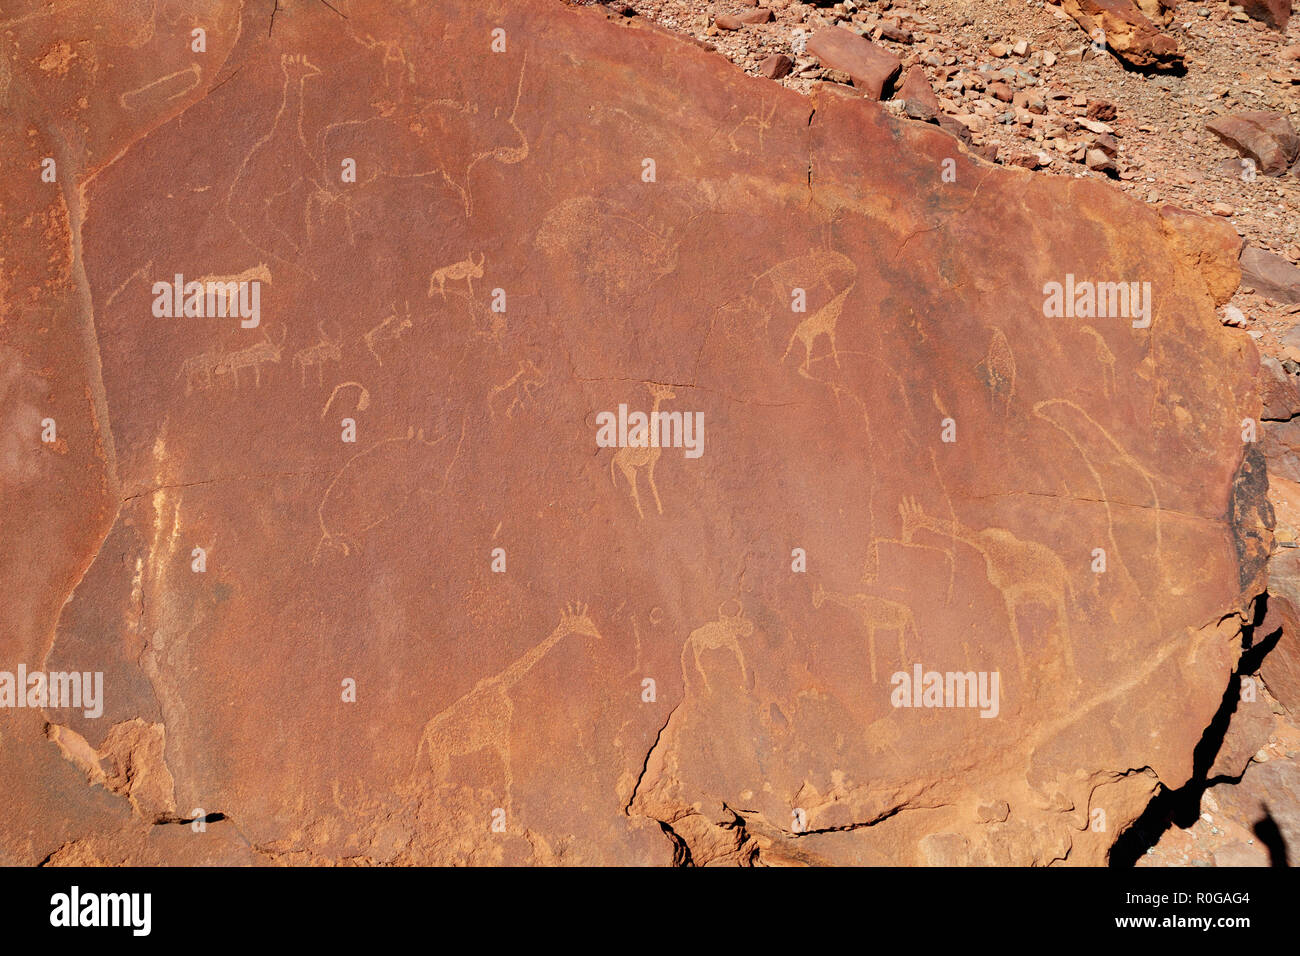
x,y
684,658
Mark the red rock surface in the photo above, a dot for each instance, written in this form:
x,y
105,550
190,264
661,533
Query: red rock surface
x,y
770,736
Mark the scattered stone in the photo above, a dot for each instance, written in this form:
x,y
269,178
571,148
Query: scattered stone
x,y
1098,161
1101,110
1093,126
776,66
1234,318
897,34
919,101
1025,160
999,50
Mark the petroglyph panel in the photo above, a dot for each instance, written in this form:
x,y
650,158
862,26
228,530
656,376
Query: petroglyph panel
x,y
395,484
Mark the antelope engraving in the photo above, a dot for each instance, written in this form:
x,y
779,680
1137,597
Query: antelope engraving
x,y
199,368
326,350
520,387
631,457
467,270
254,357
390,329
722,634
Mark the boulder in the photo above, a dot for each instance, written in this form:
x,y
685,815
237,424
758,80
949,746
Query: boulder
x,y
1278,391
872,68
1275,13
1266,137
1266,802
1126,32
917,97
1211,245
1280,669
1270,275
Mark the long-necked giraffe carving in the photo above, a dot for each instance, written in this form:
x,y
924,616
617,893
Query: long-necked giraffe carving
x,y
875,613
482,717
1024,571
631,457
277,177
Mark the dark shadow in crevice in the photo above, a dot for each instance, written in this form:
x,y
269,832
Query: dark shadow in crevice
x,y
1182,807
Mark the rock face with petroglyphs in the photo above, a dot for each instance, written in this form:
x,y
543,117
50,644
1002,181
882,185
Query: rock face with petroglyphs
x,y
912,569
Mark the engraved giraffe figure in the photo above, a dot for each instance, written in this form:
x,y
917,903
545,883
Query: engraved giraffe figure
x,y
722,634
264,216
631,457
822,322
467,269
1024,571
875,613
826,269
326,350
482,717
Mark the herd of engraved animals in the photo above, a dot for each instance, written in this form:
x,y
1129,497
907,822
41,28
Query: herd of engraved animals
x,y
621,271
311,196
